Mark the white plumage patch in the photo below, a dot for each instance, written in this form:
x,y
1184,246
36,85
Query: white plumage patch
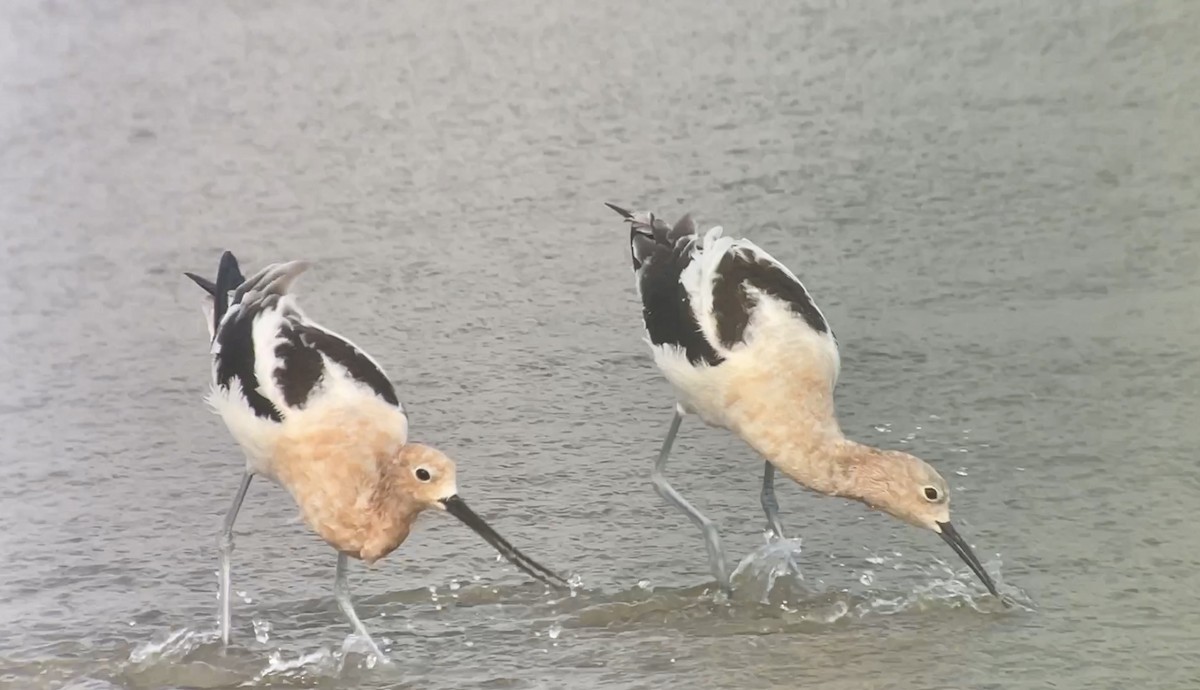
x,y
255,435
777,345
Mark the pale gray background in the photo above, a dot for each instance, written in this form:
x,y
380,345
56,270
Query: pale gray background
x,y
994,202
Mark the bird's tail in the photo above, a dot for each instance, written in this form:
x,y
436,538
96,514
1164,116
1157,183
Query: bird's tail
x,y
229,278
647,231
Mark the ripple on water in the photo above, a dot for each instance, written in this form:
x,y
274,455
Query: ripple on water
x,y
195,658
771,595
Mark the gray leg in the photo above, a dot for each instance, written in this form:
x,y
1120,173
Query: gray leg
x,y
712,541
341,592
225,544
769,504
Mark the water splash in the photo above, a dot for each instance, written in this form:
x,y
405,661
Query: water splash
x,y
758,572
320,663
176,646
836,612
262,630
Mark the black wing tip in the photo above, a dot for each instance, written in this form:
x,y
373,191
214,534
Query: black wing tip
x,y
209,286
229,277
229,269
627,215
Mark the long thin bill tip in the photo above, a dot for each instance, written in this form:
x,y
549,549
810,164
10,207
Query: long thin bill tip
x,y
459,509
956,542
624,213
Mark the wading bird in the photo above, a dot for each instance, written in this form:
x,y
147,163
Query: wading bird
x,y
746,349
317,415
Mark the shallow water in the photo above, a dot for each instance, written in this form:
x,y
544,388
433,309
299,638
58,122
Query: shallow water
x,y
994,203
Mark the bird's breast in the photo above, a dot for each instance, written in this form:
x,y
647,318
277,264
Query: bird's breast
x,y
332,466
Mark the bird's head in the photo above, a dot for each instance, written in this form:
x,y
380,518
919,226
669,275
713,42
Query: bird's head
x,y
426,475
906,487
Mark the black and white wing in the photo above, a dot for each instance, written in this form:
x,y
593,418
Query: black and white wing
x,y
270,357
746,300
661,254
710,295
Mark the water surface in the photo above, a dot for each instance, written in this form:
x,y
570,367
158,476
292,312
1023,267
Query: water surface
x,y
995,204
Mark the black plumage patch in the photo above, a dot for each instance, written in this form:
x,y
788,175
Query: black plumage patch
x,y
229,277
236,361
356,364
732,304
300,367
666,308
660,254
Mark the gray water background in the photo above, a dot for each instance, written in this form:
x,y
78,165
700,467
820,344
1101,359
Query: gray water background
x,y
995,203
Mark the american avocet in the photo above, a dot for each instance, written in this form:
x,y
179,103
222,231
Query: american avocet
x,y
317,415
746,349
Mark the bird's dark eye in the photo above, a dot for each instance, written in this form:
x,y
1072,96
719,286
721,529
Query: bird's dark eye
x,y
422,474
931,493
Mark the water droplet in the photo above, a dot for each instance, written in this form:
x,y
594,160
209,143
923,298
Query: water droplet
x,y
962,472
867,578
1020,469
672,660
554,631
574,581
933,416
454,586
643,584
262,630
